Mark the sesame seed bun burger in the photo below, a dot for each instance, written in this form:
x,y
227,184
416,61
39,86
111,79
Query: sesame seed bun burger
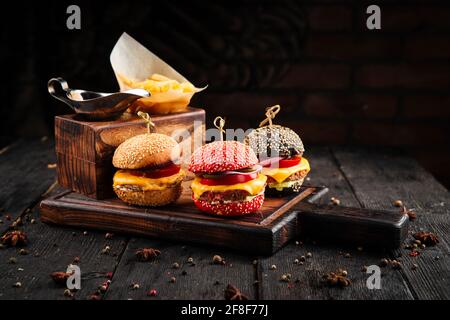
x,y
228,181
149,172
280,153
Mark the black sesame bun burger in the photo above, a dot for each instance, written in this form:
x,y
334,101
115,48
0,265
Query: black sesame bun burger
x,y
228,181
280,153
149,172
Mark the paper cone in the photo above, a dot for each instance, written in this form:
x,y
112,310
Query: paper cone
x,y
133,63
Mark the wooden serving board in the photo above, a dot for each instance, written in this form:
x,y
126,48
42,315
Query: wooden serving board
x,y
262,233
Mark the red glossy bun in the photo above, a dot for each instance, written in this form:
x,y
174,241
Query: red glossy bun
x,y
231,209
222,156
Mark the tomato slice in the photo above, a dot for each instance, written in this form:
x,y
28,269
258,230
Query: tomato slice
x,y
283,163
290,162
228,179
158,173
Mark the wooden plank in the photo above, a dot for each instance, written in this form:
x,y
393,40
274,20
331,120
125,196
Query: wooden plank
x,y
199,282
262,233
25,177
326,257
378,179
52,249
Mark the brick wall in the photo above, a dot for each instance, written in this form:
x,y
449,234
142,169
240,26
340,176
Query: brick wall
x,y
338,83
388,87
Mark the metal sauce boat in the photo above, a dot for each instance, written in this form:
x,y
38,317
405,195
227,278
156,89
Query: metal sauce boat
x,y
94,105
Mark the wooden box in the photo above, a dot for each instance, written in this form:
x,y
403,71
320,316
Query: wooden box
x,y
84,149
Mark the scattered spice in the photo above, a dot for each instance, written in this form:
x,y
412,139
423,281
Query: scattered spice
x,y
60,277
106,250
273,267
147,254
68,293
398,203
14,238
20,269
17,285
85,233
218,260
302,259
409,212
286,277
135,286
414,253
233,293
23,252
296,261
384,262
173,280
152,293
190,260
175,265
338,278
335,201
51,165
396,264
347,255
12,260
109,235
308,255
427,238
33,221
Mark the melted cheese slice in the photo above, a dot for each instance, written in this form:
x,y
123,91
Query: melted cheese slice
x,y
253,187
122,177
281,174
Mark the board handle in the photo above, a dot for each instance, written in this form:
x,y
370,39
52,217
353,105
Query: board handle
x,y
356,226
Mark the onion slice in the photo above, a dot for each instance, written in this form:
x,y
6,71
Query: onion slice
x,y
251,170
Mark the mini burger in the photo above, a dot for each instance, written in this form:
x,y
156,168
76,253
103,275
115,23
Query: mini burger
x,y
280,152
228,181
149,174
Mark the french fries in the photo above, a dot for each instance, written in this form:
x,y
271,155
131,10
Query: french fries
x,y
166,95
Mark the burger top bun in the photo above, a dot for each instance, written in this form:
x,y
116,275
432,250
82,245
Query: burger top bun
x,y
146,150
275,141
222,156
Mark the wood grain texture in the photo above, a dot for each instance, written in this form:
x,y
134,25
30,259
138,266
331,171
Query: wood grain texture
x,y
263,232
427,281
25,177
327,256
85,149
389,177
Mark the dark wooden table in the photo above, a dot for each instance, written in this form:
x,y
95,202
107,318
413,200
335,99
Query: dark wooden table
x,y
371,179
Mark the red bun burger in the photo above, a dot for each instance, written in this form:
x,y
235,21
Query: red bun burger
x,y
228,181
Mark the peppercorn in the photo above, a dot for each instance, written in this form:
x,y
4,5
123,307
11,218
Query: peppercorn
x,y
308,255
302,259
173,280
68,293
384,262
273,267
23,252
347,255
398,203
218,259
17,285
296,261
12,260
176,265
184,272
190,260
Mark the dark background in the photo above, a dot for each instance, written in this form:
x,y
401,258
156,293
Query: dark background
x,y
337,82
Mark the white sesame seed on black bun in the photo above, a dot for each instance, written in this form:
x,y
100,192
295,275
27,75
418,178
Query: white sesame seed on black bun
x,y
275,141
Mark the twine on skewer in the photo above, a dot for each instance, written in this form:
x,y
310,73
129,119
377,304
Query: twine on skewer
x,y
271,113
219,123
147,119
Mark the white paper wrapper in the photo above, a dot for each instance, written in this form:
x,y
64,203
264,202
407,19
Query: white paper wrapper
x,y
132,61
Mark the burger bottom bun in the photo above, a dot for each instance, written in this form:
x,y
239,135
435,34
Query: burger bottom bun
x,y
233,209
274,193
152,198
